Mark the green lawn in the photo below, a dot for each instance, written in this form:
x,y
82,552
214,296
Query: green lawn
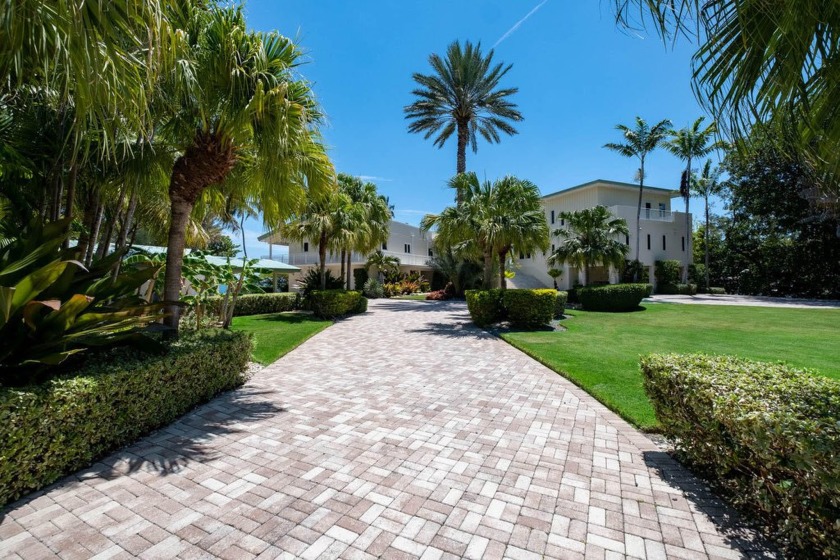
x,y
600,351
276,334
415,297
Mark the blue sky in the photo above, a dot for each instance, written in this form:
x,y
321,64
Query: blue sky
x,y
578,76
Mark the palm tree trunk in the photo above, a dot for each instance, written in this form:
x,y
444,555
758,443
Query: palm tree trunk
x,y
586,274
686,197
488,270
502,262
706,243
71,196
128,220
322,257
179,217
94,233
639,217
461,167
343,254
349,255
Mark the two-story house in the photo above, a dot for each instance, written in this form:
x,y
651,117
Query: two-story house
x,y
408,243
662,232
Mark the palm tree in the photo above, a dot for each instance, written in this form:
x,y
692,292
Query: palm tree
x,y
522,223
589,240
462,97
321,221
383,263
707,185
239,116
371,218
762,61
638,143
689,143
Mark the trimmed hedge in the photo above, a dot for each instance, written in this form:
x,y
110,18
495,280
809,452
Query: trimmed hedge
x,y
259,304
767,433
529,308
715,291
667,272
361,307
329,304
53,429
614,297
485,306
560,304
679,289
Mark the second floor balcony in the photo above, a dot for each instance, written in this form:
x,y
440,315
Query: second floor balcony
x,y
651,214
311,258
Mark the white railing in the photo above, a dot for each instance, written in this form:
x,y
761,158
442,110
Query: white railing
x,y
279,258
311,257
652,214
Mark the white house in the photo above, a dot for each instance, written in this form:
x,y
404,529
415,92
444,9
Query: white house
x,y
662,231
408,243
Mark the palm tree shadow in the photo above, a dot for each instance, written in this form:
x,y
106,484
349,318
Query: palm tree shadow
x,y
734,528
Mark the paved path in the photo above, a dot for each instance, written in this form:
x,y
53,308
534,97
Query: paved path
x,y
749,301
401,433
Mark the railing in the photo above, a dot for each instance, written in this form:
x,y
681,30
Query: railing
x,y
652,214
284,258
311,257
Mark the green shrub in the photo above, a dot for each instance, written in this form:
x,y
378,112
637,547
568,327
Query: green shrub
x,y
717,291
697,274
679,289
668,272
312,282
529,308
259,304
329,304
768,433
360,278
361,307
560,304
53,429
615,297
485,306
633,271
373,289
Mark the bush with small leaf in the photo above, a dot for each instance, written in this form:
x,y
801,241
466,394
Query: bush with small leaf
x,y
485,306
614,297
330,304
677,289
259,304
560,304
668,272
529,308
768,434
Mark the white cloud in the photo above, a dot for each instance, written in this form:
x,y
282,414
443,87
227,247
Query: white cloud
x,y
516,25
374,178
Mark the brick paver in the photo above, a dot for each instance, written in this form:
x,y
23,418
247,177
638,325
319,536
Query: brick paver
x,y
401,433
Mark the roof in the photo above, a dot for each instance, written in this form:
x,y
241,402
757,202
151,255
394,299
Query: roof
x,y
271,233
261,264
609,183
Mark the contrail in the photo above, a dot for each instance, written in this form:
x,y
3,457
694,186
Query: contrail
x,y
518,23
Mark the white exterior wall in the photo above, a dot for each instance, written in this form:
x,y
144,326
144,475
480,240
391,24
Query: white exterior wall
x,y
621,200
400,234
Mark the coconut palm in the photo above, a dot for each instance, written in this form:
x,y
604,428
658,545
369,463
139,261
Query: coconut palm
x,y
463,97
383,263
239,116
638,143
518,210
590,239
706,185
762,61
689,143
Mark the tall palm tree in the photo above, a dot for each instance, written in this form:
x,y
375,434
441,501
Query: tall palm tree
x,y
706,185
321,221
522,222
590,239
372,218
383,263
762,61
689,143
237,114
638,143
462,97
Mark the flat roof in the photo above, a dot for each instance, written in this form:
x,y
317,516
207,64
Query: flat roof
x,y
609,183
261,264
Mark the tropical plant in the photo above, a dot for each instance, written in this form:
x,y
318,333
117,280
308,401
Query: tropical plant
x,y
373,289
638,143
762,62
239,116
555,273
384,264
687,144
460,273
706,185
463,97
367,220
589,239
314,280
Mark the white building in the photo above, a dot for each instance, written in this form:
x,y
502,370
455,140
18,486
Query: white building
x,y
408,243
663,233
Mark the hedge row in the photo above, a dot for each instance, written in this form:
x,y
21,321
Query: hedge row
x,y
560,304
523,308
329,304
258,304
680,289
768,433
614,297
51,430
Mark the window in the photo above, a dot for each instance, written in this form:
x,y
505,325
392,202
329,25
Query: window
x,y
627,240
562,221
648,240
647,210
384,246
305,247
663,242
683,243
431,254
552,216
406,248
662,208
553,248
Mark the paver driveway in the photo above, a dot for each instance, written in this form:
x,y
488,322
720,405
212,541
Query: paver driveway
x,y
400,433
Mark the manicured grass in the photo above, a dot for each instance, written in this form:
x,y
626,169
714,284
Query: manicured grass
x,y
416,297
600,351
276,334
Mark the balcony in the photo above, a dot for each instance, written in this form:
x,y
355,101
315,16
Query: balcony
x,y
311,258
651,214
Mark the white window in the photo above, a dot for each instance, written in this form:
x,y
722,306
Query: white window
x,y
406,248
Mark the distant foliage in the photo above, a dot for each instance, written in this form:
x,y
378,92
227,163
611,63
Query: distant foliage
x,y
767,433
259,304
668,272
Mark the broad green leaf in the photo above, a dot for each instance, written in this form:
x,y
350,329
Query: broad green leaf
x,y
32,285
